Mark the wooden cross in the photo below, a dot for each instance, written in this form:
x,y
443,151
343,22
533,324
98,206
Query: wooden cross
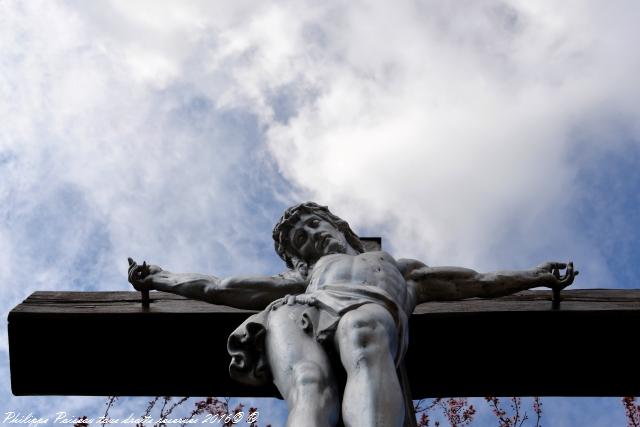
x,y
105,343
108,343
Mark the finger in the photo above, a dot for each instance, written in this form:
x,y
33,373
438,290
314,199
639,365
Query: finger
x,y
132,273
559,265
132,265
568,277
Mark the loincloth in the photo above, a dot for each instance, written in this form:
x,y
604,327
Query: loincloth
x,y
320,317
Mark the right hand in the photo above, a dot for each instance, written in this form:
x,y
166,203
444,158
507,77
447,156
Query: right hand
x,y
141,276
550,273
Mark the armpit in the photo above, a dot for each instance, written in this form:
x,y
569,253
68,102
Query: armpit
x,y
290,275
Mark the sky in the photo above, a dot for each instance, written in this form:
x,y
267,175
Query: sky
x,y
487,134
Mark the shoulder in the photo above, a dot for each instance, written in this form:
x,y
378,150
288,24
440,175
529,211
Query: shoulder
x,y
406,265
381,256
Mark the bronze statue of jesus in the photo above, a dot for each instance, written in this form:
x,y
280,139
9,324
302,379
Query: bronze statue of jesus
x,y
336,304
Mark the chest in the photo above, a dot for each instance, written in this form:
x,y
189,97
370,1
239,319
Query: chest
x,y
370,268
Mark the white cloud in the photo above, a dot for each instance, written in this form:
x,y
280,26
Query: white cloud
x,y
147,154
459,120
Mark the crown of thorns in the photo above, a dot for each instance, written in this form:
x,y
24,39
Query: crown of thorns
x,y
292,215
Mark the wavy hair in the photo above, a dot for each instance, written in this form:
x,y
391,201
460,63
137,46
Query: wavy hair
x,y
291,216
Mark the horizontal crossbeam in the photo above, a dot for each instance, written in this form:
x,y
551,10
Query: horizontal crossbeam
x,y
106,343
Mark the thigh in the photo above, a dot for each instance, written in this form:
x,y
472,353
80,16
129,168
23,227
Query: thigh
x,y
369,326
288,345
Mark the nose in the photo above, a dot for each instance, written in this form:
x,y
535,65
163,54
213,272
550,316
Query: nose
x,y
318,237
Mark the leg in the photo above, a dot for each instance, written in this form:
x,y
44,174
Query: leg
x,y
367,341
301,370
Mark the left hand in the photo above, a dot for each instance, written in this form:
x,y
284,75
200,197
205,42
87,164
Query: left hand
x,y
549,273
141,276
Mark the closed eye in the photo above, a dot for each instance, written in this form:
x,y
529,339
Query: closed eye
x,y
313,222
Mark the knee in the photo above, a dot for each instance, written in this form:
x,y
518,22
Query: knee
x,y
313,396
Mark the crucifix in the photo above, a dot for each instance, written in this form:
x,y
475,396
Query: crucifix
x,y
331,331
335,304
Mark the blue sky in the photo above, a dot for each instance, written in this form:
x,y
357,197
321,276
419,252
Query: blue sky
x,y
488,134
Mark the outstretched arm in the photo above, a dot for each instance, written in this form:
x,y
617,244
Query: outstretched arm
x,y
455,283
251,292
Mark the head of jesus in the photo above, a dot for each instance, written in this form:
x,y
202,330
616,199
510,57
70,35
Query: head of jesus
x,y
308,231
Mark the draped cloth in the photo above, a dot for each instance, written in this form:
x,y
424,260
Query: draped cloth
x,y
319,319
